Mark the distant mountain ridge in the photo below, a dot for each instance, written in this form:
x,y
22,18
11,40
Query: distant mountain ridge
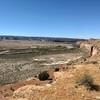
x,y
52,39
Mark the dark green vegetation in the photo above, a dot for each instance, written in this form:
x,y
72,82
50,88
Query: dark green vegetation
x,y
18,63
43,76
57,69
87,81
31,52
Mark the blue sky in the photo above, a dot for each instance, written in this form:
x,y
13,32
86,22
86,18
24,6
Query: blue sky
x,y
50,18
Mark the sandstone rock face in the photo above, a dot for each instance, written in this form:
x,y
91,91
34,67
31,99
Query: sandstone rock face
x,y
58,75
86,46
95,51
92,49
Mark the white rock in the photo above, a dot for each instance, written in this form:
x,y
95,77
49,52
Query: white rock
x,y
97,98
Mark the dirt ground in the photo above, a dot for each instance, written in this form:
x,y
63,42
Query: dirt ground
x,y
65,88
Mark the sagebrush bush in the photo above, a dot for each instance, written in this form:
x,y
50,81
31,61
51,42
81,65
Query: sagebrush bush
x,y
86,80
56,69
43,76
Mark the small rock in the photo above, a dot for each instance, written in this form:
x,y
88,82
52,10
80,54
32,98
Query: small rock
x,y
83,95
48,85
97,97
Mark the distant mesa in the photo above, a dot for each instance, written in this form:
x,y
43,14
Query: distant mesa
x,y
52,39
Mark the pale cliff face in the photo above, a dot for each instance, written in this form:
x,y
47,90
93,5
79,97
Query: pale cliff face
x,y
91,47
95,52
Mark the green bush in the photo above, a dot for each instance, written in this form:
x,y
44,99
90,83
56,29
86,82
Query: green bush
x,y
43,76
86,80
56,69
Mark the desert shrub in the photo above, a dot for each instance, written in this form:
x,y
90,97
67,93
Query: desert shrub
x,y
86,80
43,76
56,69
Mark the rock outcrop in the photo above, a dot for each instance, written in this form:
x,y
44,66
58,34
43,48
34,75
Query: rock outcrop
x,y
92,46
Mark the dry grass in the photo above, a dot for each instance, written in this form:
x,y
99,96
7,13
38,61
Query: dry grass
x,y
65,88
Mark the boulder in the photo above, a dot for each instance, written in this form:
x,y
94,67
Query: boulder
x,y
92,50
